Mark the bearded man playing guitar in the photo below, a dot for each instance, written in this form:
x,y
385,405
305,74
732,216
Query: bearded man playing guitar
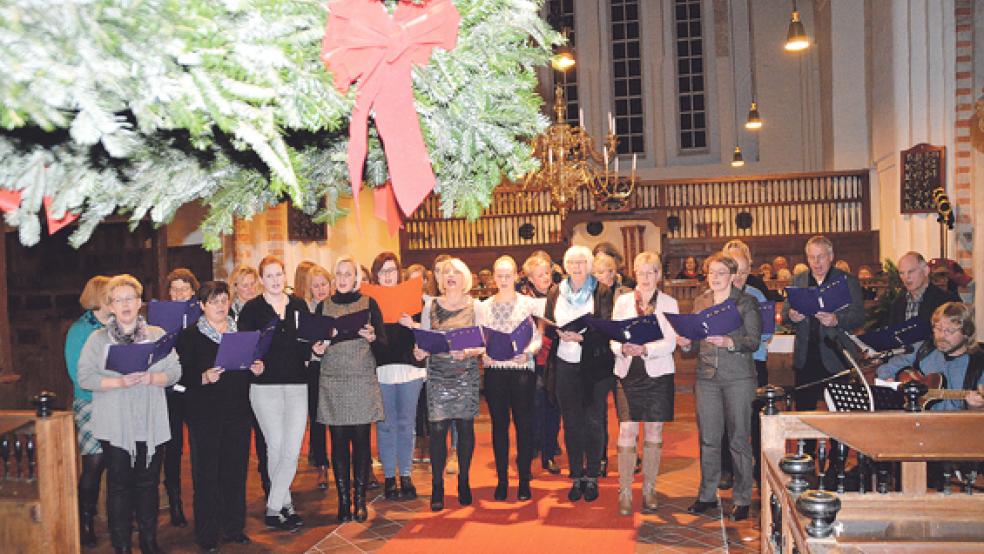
x,y
953,353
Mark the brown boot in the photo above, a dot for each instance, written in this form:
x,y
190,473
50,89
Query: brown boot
x,y
626,473
651,453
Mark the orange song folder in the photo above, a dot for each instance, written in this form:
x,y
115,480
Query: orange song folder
x,y
404,298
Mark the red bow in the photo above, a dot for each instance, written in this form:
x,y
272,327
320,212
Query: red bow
x,y
10,200
362,41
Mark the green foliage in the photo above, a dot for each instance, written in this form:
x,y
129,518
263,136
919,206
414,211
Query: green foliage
x,y
878,314
140,107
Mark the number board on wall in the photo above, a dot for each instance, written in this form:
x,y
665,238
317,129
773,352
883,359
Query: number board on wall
x,y
923,170
301,227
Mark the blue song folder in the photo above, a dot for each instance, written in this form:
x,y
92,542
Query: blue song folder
x,y
237,351
173,316
577,325
347,326
768,311
129,358
437,342
266,338
314,327
638,330
828,297
163,347
503,347
903,334
717,320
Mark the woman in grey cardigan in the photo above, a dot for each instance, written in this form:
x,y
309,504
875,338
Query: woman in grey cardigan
x,y
129,416
725,389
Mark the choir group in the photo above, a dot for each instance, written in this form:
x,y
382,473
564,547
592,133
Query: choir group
x,y
409,349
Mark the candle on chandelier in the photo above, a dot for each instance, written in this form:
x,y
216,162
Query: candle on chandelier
x,y
550,156
633,163
580,117
606,158
616,164
611,124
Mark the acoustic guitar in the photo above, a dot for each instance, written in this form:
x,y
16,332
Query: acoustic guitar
x,y
935,382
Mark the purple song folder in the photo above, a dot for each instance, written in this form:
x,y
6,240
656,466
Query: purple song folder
x,y
432,342
163,347
237,350
638,330
314,327
266,338
906,333
464,338
828,297
768,311
717,320
173,316
577,325
502,347
129,358
347,326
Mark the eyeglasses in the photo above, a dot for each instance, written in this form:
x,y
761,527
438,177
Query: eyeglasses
x,y
124,300
720,273
387,270
946,331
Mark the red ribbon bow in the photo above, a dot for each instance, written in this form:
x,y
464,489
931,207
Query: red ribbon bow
x,y
10,200
363,41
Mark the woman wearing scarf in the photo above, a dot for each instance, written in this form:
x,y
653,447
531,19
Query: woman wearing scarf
x,y
644,395
452,380
510,385
129,416
242,283
93,300
219,420
350,400
581,363
317,289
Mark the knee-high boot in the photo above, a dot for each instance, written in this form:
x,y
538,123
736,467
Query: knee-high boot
x,y
626,474
344,486
651,453
92,469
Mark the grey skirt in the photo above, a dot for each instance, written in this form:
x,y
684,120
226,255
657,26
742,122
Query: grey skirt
x,y
452,388
640,397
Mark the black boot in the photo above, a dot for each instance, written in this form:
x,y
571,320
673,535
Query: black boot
x,y
389,489
178,518
344,487
359,511
437,495
87,529
464,490
407,490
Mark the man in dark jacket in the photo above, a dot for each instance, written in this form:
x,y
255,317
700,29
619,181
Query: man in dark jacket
x,y
815,354
921,297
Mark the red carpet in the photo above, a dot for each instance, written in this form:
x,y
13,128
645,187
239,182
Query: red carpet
x,y
547,521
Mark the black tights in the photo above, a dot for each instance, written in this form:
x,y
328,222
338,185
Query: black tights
x,y
92,470
439,447
350,450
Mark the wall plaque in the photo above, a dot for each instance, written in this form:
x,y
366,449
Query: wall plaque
x,y
923,170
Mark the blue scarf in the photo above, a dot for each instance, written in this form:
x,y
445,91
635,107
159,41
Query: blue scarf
x,y
579,298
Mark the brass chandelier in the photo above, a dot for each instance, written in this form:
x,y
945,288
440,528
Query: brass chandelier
x,y
569,161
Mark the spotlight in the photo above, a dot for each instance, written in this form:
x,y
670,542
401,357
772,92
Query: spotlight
x,y
736,158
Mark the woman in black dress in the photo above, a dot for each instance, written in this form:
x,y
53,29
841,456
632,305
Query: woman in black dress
x,y
219,419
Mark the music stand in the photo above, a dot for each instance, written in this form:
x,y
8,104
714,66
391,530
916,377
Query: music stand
x,y
852,397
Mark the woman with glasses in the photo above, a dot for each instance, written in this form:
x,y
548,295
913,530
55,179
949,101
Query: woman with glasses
x,y
181,285
581,362
129,416
725,389
400,379
219,419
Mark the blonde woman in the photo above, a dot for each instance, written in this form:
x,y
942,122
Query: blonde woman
x,y
644,397
243,284
452,380
318,289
